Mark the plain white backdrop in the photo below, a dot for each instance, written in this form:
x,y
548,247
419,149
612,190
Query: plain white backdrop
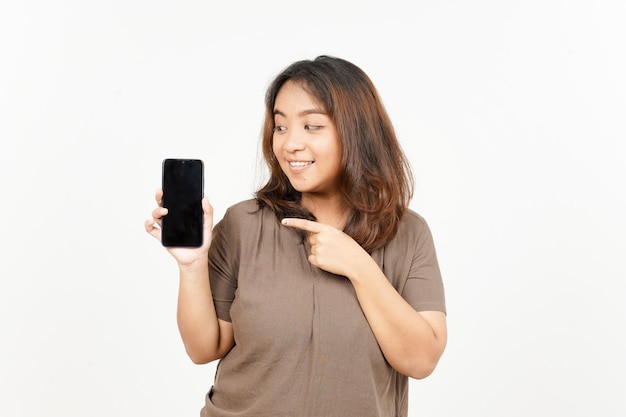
x,y
512,114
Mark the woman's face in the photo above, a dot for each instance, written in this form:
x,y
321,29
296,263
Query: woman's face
x,y
305,142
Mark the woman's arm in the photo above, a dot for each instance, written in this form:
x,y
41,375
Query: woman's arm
x,y
205,337
411,341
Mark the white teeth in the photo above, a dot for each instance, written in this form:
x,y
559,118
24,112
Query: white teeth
x,y
299,164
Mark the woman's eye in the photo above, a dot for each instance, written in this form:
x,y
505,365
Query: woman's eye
x,y
312,127
279,128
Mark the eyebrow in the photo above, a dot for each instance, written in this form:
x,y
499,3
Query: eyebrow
x,y
302,113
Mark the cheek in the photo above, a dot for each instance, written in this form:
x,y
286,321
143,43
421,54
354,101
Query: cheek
x,y
277,151
338,164
333,155
276,147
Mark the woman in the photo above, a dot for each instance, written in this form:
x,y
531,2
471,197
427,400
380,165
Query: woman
x,y
321,295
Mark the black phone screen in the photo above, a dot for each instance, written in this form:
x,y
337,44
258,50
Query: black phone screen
x,y
183,189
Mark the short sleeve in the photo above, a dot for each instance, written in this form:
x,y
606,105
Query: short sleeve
x,y
223,267
423,288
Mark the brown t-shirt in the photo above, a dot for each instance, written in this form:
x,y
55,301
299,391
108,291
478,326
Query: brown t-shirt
x,y
302,344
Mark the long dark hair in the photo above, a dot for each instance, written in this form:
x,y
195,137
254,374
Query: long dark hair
x,y
376,180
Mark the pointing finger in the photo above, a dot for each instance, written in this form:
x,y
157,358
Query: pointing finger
x,y
302,224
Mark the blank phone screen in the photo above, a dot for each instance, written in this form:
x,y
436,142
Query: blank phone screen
x,y
183,189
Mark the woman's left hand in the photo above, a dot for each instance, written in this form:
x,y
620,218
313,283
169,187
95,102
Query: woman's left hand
x,y
331,249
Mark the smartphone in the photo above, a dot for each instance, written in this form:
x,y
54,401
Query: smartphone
x,y
183,190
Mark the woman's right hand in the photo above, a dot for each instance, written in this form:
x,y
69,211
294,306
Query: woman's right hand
x,y
184,256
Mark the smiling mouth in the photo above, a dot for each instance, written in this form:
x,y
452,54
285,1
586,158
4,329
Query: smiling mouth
x,y
300,164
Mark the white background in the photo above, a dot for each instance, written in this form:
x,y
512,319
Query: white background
x,y
512,114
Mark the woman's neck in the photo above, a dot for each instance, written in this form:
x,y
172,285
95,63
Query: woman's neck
x,y
327,209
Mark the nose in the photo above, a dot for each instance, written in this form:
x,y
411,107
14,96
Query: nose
x,y
293,142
